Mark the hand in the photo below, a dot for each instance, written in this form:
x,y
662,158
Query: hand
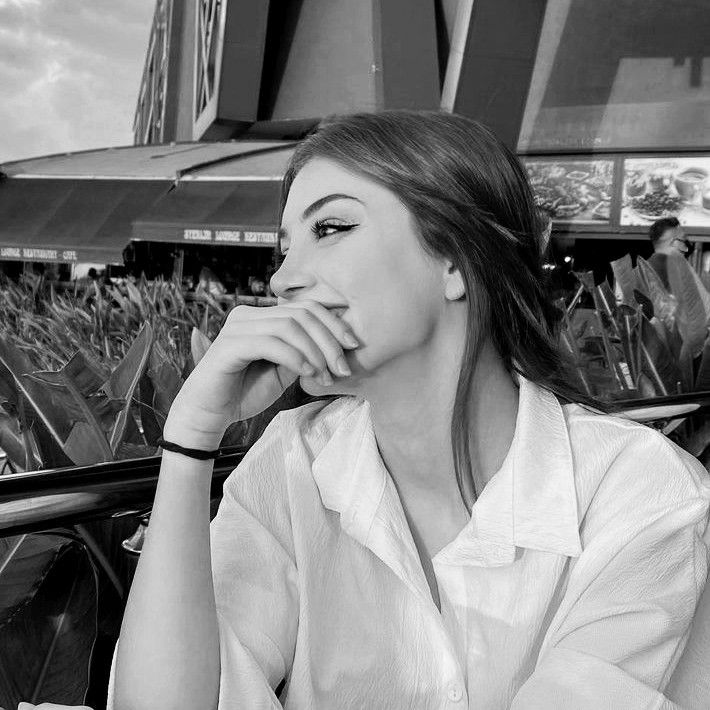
x,y
50,706
258,353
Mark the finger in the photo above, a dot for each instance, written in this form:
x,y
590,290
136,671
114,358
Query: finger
x,y
320,332
326,343
302,327
340,329
284,353
288,330
337,326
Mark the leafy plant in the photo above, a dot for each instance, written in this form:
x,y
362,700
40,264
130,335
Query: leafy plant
x,y
640,340
91,376
101,322
84,378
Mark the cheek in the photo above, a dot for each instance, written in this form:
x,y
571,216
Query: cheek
x,y
390,326
394,302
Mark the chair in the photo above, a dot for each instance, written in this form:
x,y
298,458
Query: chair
x,y
689,685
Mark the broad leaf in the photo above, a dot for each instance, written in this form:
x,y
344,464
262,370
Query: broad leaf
x,y
48,604
586,279
127,450
52,454
606,299
658,364
685,366
629,329
692,316
11,441
699,438
74,382
81,446
16,362
702,381
625,278
664,303
8,387
605,303
199,345
645,303
604,314
149,421
124,381
24,559
167,382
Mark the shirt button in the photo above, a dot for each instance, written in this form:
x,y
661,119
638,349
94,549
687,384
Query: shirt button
x,y
455,693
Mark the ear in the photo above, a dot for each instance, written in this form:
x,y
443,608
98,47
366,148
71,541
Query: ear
x,y
454,288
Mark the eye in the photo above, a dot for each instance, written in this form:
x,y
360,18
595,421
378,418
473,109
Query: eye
x,y
327,228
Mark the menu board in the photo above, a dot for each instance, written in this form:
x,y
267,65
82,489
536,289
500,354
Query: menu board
x,y
666,187
576,191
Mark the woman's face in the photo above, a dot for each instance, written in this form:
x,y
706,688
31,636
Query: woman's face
x,y
350,242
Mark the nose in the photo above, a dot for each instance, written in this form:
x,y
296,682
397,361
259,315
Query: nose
x,y
291,277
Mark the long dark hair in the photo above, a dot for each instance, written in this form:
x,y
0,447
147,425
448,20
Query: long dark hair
x,y
473,204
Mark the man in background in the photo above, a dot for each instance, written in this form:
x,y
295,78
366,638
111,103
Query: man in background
x,y
668,240
669,244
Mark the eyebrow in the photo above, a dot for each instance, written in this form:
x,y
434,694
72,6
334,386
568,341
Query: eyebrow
x,y
315,206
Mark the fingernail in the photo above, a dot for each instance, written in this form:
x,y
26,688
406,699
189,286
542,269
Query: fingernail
x,y
350,340
342,367
325,378
308,370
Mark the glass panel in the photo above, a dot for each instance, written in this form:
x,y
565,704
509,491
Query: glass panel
x,y
666,187
620,74
573,190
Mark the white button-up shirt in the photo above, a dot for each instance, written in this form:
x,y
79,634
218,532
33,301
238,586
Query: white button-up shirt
x,y
572,586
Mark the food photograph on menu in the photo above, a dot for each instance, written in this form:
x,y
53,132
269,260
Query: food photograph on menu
x,y
573,190
666,187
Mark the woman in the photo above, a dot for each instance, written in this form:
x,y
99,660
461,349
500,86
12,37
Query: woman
x,y
447,525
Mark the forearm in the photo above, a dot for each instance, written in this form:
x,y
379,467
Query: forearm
x,y
168,655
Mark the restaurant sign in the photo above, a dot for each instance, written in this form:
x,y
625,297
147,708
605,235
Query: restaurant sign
x,y
577,191
38,254
230,236
666,187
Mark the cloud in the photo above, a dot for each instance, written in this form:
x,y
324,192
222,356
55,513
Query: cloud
x,y
70,72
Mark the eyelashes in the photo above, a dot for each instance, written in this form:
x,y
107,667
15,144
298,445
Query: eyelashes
x,y
321,229
321,226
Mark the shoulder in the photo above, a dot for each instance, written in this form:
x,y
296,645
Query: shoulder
x,y
626,467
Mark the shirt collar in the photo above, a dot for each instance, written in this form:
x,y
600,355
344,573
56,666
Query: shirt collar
x,y
530,502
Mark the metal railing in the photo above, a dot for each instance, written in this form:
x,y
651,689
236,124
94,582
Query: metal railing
x,y
61,497
37,500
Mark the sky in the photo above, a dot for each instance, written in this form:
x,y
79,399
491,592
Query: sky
x,y
70,71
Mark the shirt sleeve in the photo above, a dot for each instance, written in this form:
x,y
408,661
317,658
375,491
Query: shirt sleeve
x,y
255,578
625,617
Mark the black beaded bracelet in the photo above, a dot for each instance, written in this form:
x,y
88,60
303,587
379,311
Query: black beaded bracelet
x,y
192,453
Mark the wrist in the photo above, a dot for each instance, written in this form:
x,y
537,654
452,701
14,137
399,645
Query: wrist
x,y
187,435
193,453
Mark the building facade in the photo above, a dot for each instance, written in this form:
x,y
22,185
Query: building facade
x,y
607,102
